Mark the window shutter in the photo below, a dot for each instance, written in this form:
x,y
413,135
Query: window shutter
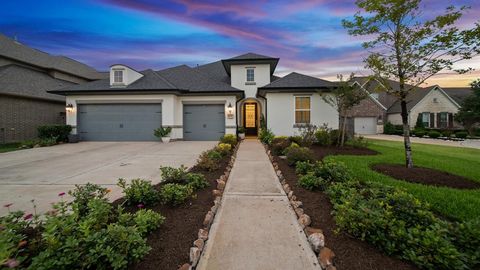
x,y
450,120
438,120
419,118
432,120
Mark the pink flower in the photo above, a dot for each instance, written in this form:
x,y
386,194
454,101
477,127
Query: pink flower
x,y
61,194
12,263
8,205
29,216
140,206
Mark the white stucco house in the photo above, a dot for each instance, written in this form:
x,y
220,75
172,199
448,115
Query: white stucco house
x,y
199,103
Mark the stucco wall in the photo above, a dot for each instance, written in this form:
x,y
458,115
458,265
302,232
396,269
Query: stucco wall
x,y
239,77
281,113
172,108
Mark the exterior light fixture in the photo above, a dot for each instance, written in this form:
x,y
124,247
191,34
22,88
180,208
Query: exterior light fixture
x,y
69,107
229,111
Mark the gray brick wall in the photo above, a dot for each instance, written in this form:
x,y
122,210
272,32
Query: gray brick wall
x,y
20,117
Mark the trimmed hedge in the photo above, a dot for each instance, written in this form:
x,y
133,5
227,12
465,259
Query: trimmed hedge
x,y
60,132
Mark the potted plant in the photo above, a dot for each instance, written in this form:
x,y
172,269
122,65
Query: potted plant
x,y
163,133
241,133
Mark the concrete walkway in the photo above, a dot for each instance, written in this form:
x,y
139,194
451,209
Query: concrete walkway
x,y
466,143
255,227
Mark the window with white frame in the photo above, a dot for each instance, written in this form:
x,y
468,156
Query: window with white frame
x,y
302,110
250,75
426,119
118,76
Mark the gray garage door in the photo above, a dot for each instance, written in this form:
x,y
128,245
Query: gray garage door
x,y
203,122
365,125
118,122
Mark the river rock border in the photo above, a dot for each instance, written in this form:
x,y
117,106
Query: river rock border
x,y
315,236
199,244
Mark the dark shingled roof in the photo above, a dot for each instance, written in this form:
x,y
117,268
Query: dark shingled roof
x,y
412,99
298,81
23,81
250,58
216,71
458,93
12,49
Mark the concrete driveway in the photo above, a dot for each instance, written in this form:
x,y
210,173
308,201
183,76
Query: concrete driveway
x,y
42,173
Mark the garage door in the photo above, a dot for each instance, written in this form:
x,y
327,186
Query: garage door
x,y
203,122
365,125
118,122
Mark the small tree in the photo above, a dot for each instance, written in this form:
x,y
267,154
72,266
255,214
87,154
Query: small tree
x,y
345,97
469,114
409,49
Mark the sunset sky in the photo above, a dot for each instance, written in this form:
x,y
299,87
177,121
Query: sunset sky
x,y
306,35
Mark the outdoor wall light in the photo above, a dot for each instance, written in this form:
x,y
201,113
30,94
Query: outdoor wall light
x,y
229,111
69,107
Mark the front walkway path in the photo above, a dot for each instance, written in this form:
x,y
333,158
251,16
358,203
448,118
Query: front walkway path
x,y
255,227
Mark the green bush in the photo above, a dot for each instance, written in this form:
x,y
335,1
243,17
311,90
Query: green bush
x,y
174,175
433,134
304,167
358,142
145,220
307,132
295,139
312,182
197,181
83,194
332,171
266,136
323,137
461,134
205,162
419,133
389,128
229,139
60,132
279,144
13,232
175,194
215,155
139,191
162,132
295,154
47,141
223,148
447,133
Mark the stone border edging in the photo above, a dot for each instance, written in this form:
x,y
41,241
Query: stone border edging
x,y
315,236
198,245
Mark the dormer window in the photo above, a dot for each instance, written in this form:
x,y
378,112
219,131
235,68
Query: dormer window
x,y
250,75
118,76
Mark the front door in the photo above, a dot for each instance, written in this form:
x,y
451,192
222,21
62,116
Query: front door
x,y
250,118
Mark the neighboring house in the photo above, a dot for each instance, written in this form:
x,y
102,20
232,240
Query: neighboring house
x,y
26,75
200,103
434,105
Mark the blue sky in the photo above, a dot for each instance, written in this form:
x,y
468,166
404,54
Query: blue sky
x,y
306,35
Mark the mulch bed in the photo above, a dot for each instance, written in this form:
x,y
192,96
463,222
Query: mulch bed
x,y
426,176
351,253
172,241
323,151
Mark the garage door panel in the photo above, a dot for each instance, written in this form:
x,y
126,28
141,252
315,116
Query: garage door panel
x,y
365,125
203,122
119,122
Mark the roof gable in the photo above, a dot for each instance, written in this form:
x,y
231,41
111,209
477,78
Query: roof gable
x,y
298,81
250,58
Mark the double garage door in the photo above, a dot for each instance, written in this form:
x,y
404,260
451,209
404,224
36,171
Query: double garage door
x,y
136,122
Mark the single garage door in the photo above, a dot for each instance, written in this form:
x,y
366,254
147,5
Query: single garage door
x,y
118,122
203,122
365,125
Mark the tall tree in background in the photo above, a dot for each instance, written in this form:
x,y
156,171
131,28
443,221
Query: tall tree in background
x,y
405,47
344,97
469,113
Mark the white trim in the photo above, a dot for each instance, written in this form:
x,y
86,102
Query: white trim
x,y
370,96
118,101
302,110
441,90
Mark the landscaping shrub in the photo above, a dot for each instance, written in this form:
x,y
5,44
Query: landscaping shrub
x,y
145,220
60,132
266,136
311,182
197,181
332,171
83,194
461,134
433,134
13,238
139,191
419,133
389,128
215,155
323,137
223,148
174,175
358,142
47,141
307,132
174,194
206,162
295,139
279,144
229,139
447,133
304,167
295,154
335,136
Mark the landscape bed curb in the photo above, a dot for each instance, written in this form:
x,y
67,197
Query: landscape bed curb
x,y
198,245
315,236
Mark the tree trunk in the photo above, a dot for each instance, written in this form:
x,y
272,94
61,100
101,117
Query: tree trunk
x,y
344,127
406,135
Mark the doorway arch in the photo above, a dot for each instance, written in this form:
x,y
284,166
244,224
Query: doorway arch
x,y
249,117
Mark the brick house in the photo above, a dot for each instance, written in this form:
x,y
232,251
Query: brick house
x,y
26,75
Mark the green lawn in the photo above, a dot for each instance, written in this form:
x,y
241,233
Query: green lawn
x,y
452,203
7,147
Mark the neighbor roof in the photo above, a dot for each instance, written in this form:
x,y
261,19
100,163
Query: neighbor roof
x,y
414,97
296,80
22,81
458,93
250,58
14,50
